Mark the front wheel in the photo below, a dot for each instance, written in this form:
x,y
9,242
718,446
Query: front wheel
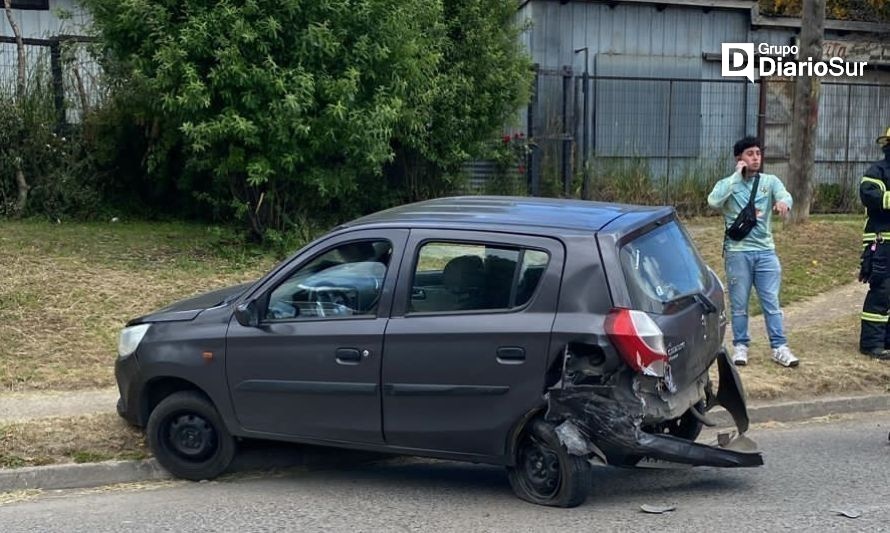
x,y
545,472
188,437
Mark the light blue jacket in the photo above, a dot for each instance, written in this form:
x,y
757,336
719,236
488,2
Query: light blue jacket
x,y
731,194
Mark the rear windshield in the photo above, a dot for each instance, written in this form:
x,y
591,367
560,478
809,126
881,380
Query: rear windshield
x,y
661,266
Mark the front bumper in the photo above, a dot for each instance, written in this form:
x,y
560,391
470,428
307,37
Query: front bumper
x,y
126,372
612,430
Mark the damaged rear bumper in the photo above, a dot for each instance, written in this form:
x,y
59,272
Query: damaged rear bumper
x,y
589,423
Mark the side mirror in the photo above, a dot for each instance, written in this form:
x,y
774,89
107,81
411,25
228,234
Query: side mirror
x,y
247,315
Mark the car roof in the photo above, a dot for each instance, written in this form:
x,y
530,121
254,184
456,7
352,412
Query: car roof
x,y
508,211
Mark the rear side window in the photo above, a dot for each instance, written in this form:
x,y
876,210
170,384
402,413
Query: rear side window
x,y
474,277
661,266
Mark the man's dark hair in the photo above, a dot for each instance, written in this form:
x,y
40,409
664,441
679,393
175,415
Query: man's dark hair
x,y
743,144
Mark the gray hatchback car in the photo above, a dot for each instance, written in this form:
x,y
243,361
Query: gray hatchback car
x,y
547,336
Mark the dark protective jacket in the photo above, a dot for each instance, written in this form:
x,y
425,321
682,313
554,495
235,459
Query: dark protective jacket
x,y
874,191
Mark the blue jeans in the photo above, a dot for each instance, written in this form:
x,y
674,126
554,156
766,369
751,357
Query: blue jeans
x,y
762,270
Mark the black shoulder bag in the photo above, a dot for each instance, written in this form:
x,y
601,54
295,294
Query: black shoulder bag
x,y
747,217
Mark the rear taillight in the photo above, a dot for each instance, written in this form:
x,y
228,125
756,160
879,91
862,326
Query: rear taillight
x,y
638,340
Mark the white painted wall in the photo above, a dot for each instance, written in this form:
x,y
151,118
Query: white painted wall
x,y
62,17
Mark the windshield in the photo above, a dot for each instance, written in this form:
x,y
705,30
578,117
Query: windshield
x,y
661,266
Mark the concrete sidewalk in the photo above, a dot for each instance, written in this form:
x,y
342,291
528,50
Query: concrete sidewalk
x,y
265,456
845,300
19,406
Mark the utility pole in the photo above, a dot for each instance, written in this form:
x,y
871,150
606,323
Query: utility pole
x,y
805,113
585,128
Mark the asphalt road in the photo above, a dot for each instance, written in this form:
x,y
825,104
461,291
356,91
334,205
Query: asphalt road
x,y
812,469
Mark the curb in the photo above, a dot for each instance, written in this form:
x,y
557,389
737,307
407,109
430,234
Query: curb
x,y
252,456
279,455
802,410
78,476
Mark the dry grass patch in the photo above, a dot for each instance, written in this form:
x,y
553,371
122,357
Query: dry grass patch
x,y
81,439
67,290
17,496
815,257
830,365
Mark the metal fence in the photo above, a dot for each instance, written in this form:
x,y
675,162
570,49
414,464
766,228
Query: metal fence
x,y
582,126
63,66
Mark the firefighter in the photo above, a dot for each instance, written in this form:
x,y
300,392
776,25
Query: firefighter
x,y
874,190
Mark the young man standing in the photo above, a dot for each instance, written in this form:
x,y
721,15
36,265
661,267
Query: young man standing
x,y
752,261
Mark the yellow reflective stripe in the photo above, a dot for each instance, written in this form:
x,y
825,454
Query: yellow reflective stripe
x,y
873,317
868,238
877,182
887,200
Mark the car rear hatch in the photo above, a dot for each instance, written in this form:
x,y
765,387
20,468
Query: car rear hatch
x,y
656,271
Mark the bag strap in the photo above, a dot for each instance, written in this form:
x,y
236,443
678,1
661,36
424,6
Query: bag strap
x,y
753,196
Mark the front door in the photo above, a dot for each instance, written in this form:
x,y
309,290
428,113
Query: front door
x,y
312,367
467,345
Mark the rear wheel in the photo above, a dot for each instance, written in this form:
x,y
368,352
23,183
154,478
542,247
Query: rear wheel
x,y
187,436
545,472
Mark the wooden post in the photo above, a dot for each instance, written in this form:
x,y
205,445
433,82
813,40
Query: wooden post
x,y
20,180
805,113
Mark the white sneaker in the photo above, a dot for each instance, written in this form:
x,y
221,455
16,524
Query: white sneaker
x,y
740,355
784,357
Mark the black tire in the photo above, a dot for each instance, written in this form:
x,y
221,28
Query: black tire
x,y
686,426
188,437
545,472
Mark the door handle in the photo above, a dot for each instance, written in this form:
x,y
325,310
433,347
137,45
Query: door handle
x,y
350,356
511,355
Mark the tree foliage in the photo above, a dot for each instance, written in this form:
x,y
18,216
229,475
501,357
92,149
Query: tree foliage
x,y
275,109
861,10
484,79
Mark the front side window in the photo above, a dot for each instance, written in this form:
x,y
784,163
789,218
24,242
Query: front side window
x,y
345,281
474,277
661,266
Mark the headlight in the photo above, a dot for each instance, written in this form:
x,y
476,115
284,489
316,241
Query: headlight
x,y
130,339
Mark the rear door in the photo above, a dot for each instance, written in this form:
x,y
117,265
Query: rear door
x,y
662,274
466,347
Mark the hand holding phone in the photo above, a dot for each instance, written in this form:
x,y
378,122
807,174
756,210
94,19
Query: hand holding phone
x,y
741,167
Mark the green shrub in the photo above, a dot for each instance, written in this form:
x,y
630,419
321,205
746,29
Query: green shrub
x,y
57,162
510,157
631,180
834,198
265,111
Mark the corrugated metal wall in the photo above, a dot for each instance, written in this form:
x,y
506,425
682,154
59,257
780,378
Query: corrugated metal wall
x,y
656,120
673,123
80,74
631,29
